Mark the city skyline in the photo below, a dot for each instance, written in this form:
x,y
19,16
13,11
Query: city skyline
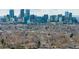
x,y
41,12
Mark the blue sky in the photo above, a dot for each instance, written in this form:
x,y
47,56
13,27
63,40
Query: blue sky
x,y
40,12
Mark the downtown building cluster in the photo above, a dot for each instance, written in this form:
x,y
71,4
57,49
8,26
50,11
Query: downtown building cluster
x,y
26,18
64,19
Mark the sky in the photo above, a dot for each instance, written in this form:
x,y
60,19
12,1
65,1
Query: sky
x,y
41,12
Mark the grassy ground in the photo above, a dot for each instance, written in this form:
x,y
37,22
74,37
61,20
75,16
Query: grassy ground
x,y
39,36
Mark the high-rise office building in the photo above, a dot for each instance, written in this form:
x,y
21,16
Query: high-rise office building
x,y
60,17
15,18
70,14
27,15
52,18
66,20
45,18
22,13
33,18
11,13
27,12
66,14
39,20
74,20
70,18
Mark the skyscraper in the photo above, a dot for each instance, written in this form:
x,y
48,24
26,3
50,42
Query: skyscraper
x,y
67,14
60,18
66,20
27,12
22,13
11,13
52,18
45,18
27,15
33,18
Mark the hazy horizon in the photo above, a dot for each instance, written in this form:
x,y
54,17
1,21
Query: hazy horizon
x,y
41,12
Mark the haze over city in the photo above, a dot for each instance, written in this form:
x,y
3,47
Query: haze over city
x,y
40,12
